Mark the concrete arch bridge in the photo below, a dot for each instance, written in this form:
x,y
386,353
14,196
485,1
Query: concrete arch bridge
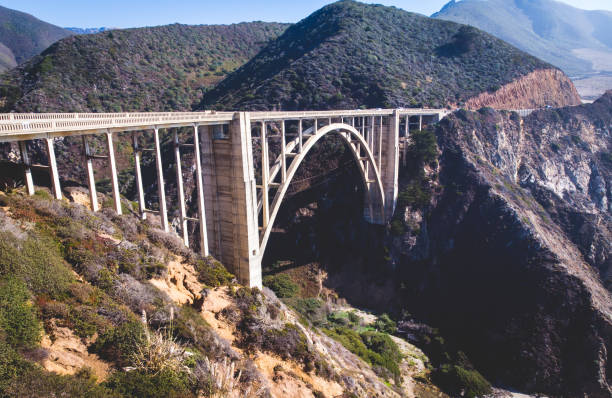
x,y
244,164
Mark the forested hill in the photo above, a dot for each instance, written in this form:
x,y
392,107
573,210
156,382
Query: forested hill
x,y
349,54
144,69
22,36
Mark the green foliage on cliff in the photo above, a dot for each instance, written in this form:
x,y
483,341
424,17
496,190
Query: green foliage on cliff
x,y
145,69
281,285
375,348
350,54
18,320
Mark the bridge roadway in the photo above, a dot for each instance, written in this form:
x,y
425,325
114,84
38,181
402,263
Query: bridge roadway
x,y
238,197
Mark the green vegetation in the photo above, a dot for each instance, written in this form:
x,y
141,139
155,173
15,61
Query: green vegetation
x,y
38,292
169,68
375,348
18,320
349,54
457,379
281,285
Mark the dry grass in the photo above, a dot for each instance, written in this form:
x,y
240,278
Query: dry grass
x,y
159,351
223,381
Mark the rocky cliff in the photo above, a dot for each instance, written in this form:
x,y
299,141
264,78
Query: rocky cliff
x,y
544,87
512,253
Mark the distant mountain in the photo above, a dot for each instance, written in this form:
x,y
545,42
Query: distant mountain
x,y
88,31
577,41
350,54
22,36
144,69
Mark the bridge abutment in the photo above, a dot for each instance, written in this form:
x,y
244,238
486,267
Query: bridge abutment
x,y
229,188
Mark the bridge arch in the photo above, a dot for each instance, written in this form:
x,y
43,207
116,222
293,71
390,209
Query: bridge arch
x,y
354,140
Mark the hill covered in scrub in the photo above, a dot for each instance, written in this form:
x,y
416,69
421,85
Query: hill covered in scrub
x,y
349,55
99,305
22,36
165,68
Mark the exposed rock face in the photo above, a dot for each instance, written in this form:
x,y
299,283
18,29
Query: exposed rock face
x,y
514,251
543,87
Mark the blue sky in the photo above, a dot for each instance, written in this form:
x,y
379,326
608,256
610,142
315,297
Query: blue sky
x,y
132,13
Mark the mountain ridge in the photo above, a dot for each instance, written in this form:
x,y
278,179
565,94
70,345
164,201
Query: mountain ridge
x,y
577,41
390,58
23,36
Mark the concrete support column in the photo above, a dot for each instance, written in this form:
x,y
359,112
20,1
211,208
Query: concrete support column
x,y
163,212
247,255
301,137
390,165
91,180
265,177
200,190
406,136
283,154
420,122
212,194
55,182
181,189
27,170
380,142
113,167
138,173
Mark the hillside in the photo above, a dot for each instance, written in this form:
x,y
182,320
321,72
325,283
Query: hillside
x,y
511,251
577,41
95,305
22,36
145,69
349,55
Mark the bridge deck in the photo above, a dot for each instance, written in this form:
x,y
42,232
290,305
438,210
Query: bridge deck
x,y
25,126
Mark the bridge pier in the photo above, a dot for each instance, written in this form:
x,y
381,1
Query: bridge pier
x,y
91,181
55,182
229,182
163,212
113,170
200,194
180,189
27,167
138,174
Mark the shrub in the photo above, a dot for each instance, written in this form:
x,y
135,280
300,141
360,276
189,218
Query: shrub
x,y
385,324
281,285
375,348
310,308
35,382
12,365
212,273
289,342
18,318
37,261
137,383
456,379
119,344
424,147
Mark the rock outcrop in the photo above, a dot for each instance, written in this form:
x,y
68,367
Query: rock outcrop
x,y
543,87
512,255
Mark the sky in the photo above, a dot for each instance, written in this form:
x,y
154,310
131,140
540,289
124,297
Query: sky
x,y
134,13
